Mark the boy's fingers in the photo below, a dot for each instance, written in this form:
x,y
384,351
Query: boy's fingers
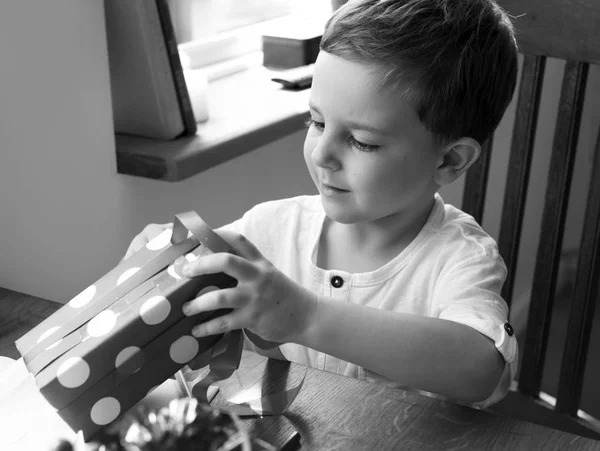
x,y
150,232
214,300
233,265
220,325
242,245
133,247
126,256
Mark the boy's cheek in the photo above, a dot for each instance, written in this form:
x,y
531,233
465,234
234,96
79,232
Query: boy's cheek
x,y
311,140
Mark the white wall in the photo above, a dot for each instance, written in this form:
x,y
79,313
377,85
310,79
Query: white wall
x,y
66,215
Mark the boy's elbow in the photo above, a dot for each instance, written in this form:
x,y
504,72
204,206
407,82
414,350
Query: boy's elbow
x,y
486,373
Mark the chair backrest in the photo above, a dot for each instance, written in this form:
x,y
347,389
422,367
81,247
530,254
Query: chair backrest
x,y
570,31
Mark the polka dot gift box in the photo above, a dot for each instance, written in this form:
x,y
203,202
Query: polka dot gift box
x,y
103,351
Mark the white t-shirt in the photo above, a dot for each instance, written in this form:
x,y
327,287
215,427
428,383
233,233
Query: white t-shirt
x,y
451,270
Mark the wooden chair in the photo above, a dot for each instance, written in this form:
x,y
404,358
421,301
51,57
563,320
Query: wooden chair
x,y
567,30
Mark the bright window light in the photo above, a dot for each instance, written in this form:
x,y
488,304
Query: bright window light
x,y
196,20
224,36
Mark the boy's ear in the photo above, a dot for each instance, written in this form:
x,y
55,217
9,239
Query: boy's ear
x,y
455,159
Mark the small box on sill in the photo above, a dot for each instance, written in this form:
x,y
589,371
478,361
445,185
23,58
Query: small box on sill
x,y
291,47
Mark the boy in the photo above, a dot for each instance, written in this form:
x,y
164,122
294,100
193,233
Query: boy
x,y
375,277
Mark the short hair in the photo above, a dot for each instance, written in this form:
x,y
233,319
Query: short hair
x,y
455,59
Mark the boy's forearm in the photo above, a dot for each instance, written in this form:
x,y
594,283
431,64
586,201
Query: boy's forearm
x,y
425,353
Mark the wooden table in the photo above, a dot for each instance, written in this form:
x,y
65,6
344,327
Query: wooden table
x,y
335,412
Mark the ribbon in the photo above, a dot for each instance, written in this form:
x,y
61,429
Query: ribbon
x,y
223,360
86,314
274,404
77,337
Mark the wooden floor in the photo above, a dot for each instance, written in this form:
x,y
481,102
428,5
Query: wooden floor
x,y
18,314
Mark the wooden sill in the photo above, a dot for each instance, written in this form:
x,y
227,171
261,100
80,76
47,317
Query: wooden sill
x,y
246,111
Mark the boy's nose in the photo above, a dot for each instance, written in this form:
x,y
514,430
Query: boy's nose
x,y
326,153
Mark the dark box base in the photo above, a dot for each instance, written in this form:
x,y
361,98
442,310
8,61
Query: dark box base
x,y
282,52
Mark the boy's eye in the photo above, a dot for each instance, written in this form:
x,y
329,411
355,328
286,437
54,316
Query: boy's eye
x,y
312,123
351,139
362,146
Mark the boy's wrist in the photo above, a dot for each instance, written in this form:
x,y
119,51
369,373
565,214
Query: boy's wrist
x,y
308,314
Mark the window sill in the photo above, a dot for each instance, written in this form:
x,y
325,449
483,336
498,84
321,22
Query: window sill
x,y
246,111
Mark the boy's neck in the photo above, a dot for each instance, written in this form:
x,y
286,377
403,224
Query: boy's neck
x,y
365,247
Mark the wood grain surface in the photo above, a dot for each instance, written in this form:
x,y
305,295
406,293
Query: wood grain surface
x,y
333,412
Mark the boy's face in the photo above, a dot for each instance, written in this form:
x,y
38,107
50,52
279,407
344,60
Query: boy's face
x,y
366,149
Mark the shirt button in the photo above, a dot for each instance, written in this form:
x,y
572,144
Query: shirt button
x,y
509,329
337,281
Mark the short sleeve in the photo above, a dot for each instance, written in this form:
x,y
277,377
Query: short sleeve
x,y
236,226
469,293
251,224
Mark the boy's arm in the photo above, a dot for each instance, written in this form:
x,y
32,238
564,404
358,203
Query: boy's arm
x,y
459,351
431,354
436,354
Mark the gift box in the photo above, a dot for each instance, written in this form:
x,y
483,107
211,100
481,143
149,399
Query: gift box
x,y
109,346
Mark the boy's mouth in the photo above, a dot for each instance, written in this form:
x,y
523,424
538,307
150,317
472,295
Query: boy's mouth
x,y
329,189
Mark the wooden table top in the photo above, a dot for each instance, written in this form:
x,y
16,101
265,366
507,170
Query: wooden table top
x,y
335,412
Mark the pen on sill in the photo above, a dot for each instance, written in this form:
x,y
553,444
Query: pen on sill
x,y
292,443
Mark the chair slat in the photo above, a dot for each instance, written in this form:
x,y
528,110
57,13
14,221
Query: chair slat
x,y
584,300
553,222
519,166
563,29
476,183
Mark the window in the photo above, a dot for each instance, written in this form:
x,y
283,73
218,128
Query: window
x,y
201,19
220,31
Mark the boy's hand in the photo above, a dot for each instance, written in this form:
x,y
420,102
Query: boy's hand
x,y
149,232
265,301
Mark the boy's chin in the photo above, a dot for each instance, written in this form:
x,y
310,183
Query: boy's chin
x,y
340,213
